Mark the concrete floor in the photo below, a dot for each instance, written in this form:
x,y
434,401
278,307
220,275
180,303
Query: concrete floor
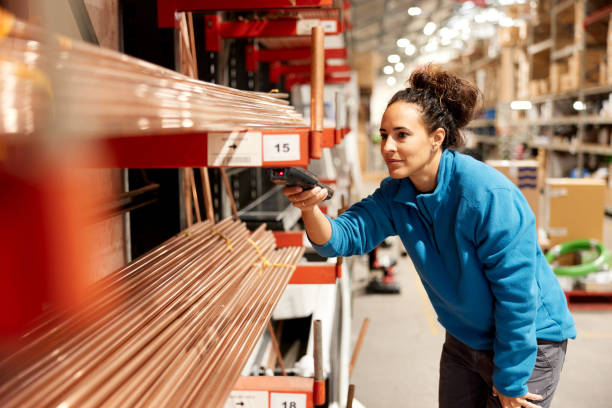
x,y
398,362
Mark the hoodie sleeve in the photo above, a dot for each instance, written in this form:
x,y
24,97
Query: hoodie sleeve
x,y
363,226
506,245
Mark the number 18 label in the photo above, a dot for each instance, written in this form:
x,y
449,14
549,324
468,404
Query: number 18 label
x,y
278,400
281,147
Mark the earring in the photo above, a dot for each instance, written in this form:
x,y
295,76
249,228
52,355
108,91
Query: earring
x,y
433,148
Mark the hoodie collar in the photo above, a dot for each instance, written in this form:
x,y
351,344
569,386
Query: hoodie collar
x,y
429,203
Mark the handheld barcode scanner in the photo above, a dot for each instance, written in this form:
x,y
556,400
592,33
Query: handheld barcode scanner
x,y
297,176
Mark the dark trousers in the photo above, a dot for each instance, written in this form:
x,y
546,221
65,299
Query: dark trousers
x,y
466,374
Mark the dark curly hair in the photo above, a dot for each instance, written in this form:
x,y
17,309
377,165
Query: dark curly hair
x,y
446,101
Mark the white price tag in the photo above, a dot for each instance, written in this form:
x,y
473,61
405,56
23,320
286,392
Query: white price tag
x,y
281,147
247,399
240,149
330,26
278,400
304,26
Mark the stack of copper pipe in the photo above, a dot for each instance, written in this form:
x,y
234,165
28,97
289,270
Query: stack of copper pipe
x,y
87,90
173,328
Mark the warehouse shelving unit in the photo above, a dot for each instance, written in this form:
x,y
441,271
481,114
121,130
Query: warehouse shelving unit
x,y
257,148
565,48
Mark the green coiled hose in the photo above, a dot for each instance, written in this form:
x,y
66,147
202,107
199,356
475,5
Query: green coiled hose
x,y
576,271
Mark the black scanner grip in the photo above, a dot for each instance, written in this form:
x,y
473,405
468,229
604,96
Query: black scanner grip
x,y
297,176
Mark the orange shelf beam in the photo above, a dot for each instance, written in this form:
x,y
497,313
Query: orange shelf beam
x,y
275,390
316,273
244,148
289,238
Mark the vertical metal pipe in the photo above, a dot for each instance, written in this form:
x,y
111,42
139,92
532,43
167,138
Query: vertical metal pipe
x,y
230,194
319,379
317,79
351,395
208,205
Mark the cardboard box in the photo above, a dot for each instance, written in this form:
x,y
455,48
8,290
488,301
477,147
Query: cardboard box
x,y
525,175
575,209
534,88
609,42
569,82
367,65
556,70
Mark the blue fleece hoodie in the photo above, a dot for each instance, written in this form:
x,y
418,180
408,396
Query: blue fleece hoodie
x,y
473,243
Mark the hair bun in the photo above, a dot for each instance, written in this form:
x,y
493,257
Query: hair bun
x,y
457,95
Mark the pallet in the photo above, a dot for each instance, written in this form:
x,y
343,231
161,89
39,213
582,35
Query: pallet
x,y
588,300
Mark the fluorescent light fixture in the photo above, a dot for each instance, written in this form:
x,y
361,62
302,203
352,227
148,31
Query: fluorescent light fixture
x,y
579,105
399,67
480,18
414,11
446,41
388,69
410,49
520,105
429,28
391,81
403,42
506,22
393,59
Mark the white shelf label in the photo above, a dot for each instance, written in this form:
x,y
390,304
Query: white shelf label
x,y
278,400
304,26
247,399
329,26
281,147
240,149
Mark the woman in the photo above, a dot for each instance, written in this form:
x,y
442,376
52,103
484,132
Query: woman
x,y
472,238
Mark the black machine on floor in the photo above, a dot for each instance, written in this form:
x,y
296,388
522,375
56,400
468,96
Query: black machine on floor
x,y
387,283
297,176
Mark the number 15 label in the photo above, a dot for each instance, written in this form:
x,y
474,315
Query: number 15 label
x,y
278,400
281,147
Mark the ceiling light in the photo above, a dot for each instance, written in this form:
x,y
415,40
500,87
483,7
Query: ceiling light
x,y
480,18
399,67
520,105
393,58
391,81
414,11
410,49
403,42
388,69
579,105
430,28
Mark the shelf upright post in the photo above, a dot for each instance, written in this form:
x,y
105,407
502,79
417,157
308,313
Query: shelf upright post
x,y
319,380
316,91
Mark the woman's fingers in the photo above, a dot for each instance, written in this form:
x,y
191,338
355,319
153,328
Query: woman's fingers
x,y
306,199
291,190
533,397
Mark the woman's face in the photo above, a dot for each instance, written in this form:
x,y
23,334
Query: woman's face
x,y
407,146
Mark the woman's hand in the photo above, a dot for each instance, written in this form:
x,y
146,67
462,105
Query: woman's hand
x,y
305,200
517,402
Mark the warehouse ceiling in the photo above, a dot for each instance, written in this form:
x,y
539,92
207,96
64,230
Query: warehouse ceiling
x,y
378,24
409,32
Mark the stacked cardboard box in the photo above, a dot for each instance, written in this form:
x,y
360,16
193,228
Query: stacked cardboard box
x,y
575,209
525,175
609,43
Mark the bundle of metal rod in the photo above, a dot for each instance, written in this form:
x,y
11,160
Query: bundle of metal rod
x,y
173,328
91,90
